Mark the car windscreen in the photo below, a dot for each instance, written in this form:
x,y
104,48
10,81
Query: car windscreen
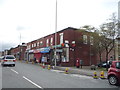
x,y
118,65
8,57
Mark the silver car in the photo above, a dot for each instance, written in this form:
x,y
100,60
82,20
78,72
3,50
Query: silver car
x,y
8,60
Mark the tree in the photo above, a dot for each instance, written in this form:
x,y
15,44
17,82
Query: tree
x,y
98,46
108,34
95,41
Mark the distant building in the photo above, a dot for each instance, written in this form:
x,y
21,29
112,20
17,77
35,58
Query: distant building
x,y
19,51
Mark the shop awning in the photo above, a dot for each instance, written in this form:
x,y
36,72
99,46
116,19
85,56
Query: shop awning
x,y
36,51
45,50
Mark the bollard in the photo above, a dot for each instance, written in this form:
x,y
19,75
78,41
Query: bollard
x,y
27,62
53,67
66,70
49,67
32,62
95,75
40,64
102,75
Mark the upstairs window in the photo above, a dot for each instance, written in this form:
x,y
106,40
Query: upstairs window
x,y
91,40
29,47
61,38
37,44
47,42
85,39
51,41
34,44
41,43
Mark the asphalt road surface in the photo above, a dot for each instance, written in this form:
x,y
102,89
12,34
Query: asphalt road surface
x,y
25,75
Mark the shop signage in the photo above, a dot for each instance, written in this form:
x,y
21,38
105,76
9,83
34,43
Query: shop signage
x,y
44,50
30,51
57,46
59,50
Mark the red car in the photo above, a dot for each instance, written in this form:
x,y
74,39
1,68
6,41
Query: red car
x,y
114,73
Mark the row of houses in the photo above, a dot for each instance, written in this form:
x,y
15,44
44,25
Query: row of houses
x,y
71,44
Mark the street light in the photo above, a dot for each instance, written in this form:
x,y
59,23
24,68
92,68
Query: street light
x,y
55,33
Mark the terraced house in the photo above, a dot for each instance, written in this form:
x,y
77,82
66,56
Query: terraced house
x,y
71,44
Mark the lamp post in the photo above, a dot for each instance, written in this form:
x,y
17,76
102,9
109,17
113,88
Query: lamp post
x,y
20,47
55,33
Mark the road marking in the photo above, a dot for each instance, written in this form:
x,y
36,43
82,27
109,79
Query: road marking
x,y
57,71
32,82
81,76
15,71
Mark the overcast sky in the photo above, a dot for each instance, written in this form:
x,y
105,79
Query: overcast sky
x,y
32,19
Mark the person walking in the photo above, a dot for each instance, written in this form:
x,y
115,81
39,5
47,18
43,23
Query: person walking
x,y
81,63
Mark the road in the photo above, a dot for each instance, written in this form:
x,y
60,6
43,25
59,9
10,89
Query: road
x,y
25,75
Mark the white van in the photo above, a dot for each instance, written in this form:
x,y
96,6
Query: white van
x,y
8,60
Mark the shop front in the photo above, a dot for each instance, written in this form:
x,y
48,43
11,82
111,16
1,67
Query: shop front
x,y
45,55
37,56
62,55
30,56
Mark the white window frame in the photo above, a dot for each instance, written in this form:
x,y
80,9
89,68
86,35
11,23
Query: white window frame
x,y
61,38
34,44
51,41
85,39
91,40
41,42
29,47
47,42
37,44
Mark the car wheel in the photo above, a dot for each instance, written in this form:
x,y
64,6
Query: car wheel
x,y
113,80
13,65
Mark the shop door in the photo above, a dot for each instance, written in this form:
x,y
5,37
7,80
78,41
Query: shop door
x,y
38,57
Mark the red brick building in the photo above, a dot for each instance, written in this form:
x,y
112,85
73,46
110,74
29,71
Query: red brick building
x,y
19,51
71,44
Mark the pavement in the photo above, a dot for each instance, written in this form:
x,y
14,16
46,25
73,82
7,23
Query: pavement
x,y
85,70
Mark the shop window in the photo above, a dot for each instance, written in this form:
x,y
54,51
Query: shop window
x,y
85,39
65,56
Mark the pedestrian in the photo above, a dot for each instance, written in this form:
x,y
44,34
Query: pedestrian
x,y
34,60
81,63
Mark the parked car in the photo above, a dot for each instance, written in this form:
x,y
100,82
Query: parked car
x,y
105,64
114,73
102,64
8,60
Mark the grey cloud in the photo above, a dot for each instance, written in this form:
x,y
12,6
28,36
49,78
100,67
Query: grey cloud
x,y
4,46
